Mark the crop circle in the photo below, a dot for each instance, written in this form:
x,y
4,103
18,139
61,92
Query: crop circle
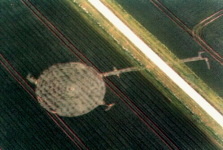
x,y
70,89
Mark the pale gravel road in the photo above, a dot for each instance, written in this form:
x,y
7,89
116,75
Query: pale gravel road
x,y
107,13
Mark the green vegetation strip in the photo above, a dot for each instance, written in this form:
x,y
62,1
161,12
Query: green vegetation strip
x,y
161,81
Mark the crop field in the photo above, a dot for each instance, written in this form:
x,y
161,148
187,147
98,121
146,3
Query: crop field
x,y
172,23
24,125
36,35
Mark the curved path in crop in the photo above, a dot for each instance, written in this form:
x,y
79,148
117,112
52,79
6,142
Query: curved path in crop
x,y
150,54
184,27
197,28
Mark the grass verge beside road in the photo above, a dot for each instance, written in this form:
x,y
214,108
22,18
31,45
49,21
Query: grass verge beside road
x,y
157,77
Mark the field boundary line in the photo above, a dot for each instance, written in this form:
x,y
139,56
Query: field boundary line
x,y
171,15
215,55
71,46
55,118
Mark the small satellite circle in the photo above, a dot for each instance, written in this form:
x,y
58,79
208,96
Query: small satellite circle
x,y
70,89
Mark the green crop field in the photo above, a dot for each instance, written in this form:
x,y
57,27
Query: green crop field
x,y
36,35
24,125
177,39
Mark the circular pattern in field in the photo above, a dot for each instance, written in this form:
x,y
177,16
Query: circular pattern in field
x,y
70,89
